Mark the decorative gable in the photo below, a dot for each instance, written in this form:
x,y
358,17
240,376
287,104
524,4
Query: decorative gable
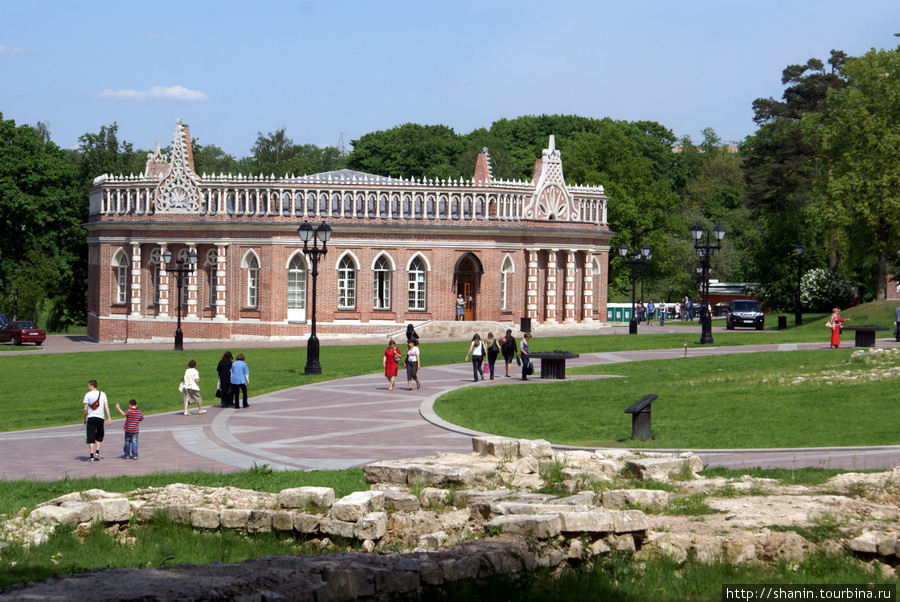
x,y
551,199
179,190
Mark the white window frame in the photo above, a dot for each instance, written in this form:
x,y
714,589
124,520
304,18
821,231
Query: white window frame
x,y
417,297
251,264
297,283
120,262
508,267
347,282
381,283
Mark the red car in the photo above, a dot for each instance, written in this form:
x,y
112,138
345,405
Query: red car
x,y
22,332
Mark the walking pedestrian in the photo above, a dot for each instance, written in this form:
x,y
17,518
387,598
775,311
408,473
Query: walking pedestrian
x,y
240,378
390,360
508,349
133,419
527,368
476,350
493,350
94,407
662,309
223,369
413,363
190,392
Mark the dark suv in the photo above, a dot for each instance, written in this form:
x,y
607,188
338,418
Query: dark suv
x,y
744,312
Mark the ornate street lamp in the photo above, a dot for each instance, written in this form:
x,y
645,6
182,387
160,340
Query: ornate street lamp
x,y
181,273
705,252
798,313
638,262
321,234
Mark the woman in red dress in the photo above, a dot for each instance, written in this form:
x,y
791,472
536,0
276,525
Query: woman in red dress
x,y
835,324
391,358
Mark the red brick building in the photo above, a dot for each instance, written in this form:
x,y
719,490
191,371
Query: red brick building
x,y
399,253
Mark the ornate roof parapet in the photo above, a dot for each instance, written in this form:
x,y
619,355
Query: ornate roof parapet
x,y
552,200
179,190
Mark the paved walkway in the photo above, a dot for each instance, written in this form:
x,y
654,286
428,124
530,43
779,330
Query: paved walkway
x,y
340,424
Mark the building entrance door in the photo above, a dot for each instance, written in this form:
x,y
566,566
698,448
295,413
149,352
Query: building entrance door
x,y
468,270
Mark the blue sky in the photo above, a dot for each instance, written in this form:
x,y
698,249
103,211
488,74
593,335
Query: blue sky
x,y
342,68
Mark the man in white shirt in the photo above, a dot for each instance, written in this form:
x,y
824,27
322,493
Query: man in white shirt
x,y
95,407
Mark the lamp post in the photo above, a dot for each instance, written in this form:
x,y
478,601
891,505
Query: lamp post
x,y
639,261
180,273
798,313
321,234
705,252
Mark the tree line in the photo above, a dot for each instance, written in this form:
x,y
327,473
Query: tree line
x,y
820,170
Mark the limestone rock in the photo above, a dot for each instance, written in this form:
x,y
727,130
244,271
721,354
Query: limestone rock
x,y
259,521
430,541
629,521
499,447
111,509
372,526
433,496
587,522
299,497
399,500
353,507
336,527
306,523
234,518
541,526
619,498
53,515
661,469
205,518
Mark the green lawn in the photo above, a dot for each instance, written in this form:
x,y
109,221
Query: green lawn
x,y
726,401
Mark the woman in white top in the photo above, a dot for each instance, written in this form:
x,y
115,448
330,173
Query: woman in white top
x,y
412,365
191,390
476,349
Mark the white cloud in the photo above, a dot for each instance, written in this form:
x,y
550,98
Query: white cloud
x,y
155,93
7,50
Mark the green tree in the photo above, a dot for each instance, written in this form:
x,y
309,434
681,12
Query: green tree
x,y
641,205
212,160
409,151
860,141
276,154
781,169
41,212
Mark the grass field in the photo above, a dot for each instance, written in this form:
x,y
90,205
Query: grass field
x,y
45,389
772,399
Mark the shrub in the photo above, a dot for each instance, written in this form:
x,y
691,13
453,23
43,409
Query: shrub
x,y
822,289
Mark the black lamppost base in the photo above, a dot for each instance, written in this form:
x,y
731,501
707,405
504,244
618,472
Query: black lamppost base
x,y
798,318
179,340
312,356
706,337
632,326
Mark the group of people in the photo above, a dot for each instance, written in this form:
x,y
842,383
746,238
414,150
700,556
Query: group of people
x,y
680,310
234,376
491,348
480,350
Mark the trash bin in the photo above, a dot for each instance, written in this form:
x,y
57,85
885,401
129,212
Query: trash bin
x,y
782,322
525,324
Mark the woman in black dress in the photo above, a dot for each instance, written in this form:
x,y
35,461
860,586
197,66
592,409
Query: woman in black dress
x,y
224,372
